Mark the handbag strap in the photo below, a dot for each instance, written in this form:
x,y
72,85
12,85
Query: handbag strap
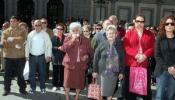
x,y
94,80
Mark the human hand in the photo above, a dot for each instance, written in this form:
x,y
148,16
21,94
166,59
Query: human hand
x,y
27,58
120,77
10,39
74,37
17,46
141,58
94,75
138,56
84,58
48,59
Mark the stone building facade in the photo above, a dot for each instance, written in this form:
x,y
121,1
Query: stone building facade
x,y
94,10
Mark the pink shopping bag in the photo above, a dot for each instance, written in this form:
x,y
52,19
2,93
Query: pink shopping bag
x,y
138,80
94,90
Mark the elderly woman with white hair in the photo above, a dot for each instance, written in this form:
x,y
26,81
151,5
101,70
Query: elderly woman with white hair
x,y
109,62
78,53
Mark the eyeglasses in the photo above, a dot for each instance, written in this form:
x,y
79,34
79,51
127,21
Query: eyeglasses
x,y
59,28
98,28
44,22
85,31
38,25
139,21
172,24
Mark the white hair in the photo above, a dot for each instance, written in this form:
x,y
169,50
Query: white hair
x,y
111,27
74,25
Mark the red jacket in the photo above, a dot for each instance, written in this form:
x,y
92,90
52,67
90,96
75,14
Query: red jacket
x,y
131,45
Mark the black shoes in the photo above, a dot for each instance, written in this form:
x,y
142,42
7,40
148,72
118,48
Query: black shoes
x,y
2,70
24,92
6,93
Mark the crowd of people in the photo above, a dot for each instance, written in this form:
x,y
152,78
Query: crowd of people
x,y
79,53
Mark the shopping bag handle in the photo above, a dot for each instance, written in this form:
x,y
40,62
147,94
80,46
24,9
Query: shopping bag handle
x,y
94,80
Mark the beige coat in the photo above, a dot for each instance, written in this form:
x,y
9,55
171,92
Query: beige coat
x,y
16,48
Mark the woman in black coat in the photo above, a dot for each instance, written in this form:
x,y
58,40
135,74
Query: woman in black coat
x,y
165,59
109,62
58,69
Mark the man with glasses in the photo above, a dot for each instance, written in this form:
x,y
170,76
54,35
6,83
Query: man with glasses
x,y
38,51
44,24
98,28
100,36
14,55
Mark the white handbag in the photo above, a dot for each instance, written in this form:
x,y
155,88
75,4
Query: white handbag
x,y
26,71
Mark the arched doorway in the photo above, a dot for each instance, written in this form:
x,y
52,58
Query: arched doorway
x,y
55,11
25,10
1,12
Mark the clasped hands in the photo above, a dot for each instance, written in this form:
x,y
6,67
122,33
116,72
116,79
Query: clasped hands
x,y
140,58
10,39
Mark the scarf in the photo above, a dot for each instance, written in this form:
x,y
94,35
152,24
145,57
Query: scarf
x,y
112,61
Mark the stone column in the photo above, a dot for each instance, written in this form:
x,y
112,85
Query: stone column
x,y
70,8
159,3
10,8
6,8
44,11
113,7
136,7
36,8
40,8
92,12
65,3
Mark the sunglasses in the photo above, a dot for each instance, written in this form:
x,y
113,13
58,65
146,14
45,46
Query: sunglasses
x,y
37,25
59,28
44,22
98,28
172,24
139,21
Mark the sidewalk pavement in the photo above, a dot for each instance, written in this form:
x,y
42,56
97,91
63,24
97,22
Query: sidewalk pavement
x,y
50,95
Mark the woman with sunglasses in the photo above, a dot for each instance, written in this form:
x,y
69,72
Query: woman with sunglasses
x,y
57,57
165,59
139,46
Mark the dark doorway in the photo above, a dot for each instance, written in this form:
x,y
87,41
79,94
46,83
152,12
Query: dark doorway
x,y
55,10
1,12
26,10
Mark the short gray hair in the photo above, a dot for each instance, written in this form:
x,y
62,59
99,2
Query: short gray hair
x,y
111,27
74,25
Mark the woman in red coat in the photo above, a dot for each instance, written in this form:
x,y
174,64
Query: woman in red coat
x,y
139,46
78,51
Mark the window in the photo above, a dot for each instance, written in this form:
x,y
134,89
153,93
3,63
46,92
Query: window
x,y
25,12
1,11
55,11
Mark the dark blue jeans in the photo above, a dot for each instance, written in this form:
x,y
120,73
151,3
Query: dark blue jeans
x,y
37,62
165,87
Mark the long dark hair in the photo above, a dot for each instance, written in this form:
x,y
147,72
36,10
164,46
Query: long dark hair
x,y
162,32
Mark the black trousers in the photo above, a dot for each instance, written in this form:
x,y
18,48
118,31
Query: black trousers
x,y
14,67
58,75
47,70
132,96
